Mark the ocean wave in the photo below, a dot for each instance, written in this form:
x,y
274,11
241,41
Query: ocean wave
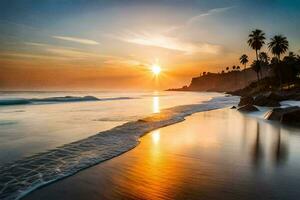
x,y
22,101
8,102
7,122
21,177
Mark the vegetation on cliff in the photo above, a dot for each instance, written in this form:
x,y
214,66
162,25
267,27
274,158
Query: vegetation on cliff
x,y
265,74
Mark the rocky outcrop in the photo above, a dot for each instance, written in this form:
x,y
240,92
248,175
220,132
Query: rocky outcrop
x,y
246,105
287,115
292,117
246,101
248,108
277,96
267,100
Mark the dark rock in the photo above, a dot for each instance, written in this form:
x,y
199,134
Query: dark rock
x,y
248,108
279,113
262,100
297,98
291,117
276,96
233,107
246,101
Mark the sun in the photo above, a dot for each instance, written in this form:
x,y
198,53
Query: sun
x,y
156,69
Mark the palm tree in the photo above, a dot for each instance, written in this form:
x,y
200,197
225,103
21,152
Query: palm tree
x,y
291,67
263,57
273,61
256,67
278,45
256,40
292,55
264,60
244,60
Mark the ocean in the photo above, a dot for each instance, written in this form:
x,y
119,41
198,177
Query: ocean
x,y
46,136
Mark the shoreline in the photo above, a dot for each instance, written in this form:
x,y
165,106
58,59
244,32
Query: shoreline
x,y
127,166
88,152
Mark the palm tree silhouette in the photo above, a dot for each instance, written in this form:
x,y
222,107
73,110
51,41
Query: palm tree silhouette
x,y
278,45
264,61
292,55
263,56
256,67
244,60
256,40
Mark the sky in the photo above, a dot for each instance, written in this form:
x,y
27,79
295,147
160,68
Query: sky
x,y
111,45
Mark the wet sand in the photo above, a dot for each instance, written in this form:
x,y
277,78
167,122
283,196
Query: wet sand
x,y
219,154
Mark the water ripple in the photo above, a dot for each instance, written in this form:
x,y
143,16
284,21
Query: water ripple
x,y
21,177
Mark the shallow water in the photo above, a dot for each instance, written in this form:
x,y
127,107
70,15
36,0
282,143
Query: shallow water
x,y
43,125
219,154
29,172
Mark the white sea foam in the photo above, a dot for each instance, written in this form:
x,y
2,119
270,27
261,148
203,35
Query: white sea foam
x,y
21,177
23,101
290,103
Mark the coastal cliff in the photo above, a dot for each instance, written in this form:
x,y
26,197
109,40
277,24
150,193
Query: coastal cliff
x,y
223,82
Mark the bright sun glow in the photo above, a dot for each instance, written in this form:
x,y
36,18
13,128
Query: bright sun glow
x,y
156,69
156,136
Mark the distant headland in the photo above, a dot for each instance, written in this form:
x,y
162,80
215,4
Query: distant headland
x,y
278,71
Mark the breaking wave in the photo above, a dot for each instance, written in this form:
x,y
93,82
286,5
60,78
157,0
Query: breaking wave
x,y
21,177
21,101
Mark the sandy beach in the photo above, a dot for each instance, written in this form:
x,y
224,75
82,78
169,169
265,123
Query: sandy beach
x,y
220,154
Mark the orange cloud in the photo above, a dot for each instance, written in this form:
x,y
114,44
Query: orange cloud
x,y
171,43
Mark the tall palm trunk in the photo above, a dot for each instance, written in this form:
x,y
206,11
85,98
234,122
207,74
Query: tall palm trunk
x,y
245,81
256,52
279,72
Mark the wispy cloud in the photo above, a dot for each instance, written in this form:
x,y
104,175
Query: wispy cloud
x,y
194,19
171,43
207,13
29,56
36,44
72,53
78,40
164,40
65,52
123,61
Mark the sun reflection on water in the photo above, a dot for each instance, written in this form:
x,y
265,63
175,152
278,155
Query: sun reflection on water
x,y
155,104
155,136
